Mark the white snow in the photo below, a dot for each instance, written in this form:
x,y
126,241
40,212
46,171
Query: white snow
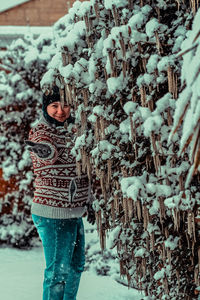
x,y
118,3
21,277
22,30
5,5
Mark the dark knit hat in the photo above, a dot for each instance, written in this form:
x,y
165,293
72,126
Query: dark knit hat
x,y
54,96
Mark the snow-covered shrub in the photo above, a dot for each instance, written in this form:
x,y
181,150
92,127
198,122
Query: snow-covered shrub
x,y
117,62
23,64
102,263
188,104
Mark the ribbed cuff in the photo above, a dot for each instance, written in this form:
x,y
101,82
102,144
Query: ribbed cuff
x,y
57,212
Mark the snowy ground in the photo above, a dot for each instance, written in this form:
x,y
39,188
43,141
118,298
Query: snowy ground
x,y
21,276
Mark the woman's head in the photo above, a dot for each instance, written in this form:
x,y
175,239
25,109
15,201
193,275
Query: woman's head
x,y
52,109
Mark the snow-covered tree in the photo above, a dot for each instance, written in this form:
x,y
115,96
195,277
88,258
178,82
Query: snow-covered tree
x,y
23,64
120,66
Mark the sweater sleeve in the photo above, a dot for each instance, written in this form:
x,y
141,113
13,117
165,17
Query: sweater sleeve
x,y
41,136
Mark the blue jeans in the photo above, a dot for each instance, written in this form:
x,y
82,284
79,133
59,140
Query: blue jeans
x,y
64,249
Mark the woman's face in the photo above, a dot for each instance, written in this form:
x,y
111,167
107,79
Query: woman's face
x,y
56,111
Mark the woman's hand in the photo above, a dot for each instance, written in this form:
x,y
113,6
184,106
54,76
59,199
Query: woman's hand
x,y
42,150
90,214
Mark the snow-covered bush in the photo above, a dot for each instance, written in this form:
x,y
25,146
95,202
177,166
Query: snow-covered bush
x,y
119,66
188,104
23,64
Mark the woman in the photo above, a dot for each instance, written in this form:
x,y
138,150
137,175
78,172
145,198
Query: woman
x,y
61,198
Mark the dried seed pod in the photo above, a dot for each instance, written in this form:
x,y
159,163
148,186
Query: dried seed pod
x,y
169,117
169,256
139,213
90,24
176,218
113,211
122,44
188,241
103,185
196,276
130,208
151,105
130,5
144,62
199,258
128,276
85,97
196,161
133,133
102,128
102,237
66,95
130,46
98,220
115,15
64,58
117,185
178,278
152,241
162,209
193,228
109,170
124,171
89,169
158,44
143,96
96,129
124,68
125,209
105,74
122,267
119,246
148,162
144,267
111,59
96,8
84,159
69,93
98,172
175,92
116,203
78,168
69,58
194,6
170,79
189,223
83,121
163,253
75,100
181,183
166,287
87,23
62,97
166,233
145,214
157,163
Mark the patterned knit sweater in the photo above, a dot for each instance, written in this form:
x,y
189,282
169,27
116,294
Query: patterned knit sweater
x,y
59,192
